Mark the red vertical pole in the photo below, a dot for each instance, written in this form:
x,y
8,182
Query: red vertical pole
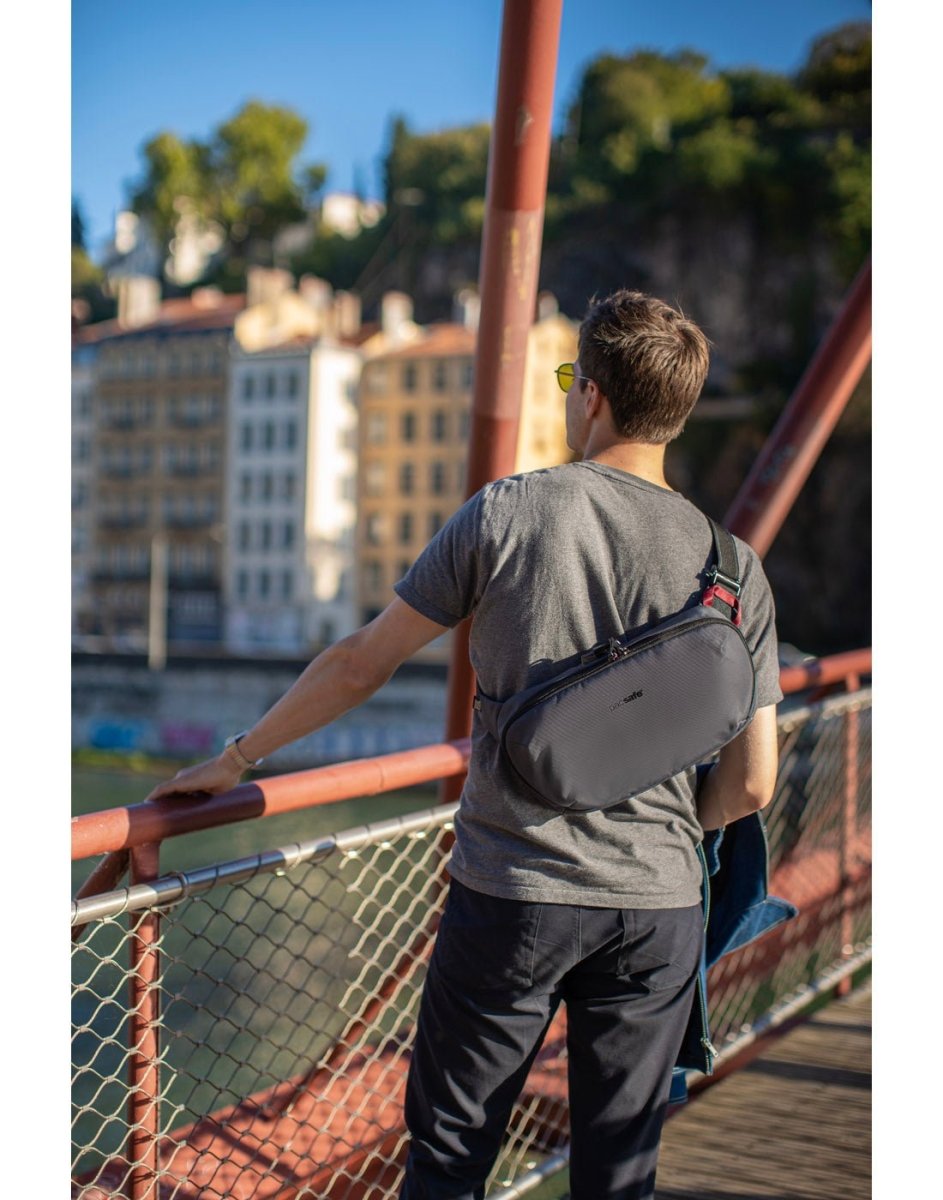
x,y
849,832
792,448
510,259
144,1075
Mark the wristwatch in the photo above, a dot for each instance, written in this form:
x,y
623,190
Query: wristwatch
x,y
231,745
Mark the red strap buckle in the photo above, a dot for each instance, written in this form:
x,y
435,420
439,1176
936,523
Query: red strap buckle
x,y
720,593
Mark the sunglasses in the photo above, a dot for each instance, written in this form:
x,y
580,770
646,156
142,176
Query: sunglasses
x,y
565,374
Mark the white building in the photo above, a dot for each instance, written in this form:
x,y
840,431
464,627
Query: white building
x,y
291,496
83,383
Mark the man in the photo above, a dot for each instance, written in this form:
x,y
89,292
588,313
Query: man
x,y
599,910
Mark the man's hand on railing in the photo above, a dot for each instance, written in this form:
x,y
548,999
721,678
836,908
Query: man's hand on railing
x,y
209,778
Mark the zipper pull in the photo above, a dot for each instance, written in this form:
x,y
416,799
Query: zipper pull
x,y
709,1047
615,650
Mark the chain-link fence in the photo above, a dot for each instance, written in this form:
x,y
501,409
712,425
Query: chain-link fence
x,y
244,1030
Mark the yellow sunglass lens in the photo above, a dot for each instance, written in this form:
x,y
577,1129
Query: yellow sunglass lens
x,y
565,376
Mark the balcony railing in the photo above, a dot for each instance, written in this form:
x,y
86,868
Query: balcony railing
x,y
190,520
117,521
190,470
263,1046
185,420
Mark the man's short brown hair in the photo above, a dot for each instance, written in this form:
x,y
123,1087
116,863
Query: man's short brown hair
x,y
648,360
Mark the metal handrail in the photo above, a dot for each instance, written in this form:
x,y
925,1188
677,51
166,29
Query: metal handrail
x,y
118,829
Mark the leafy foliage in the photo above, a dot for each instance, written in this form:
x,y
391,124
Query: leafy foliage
x,y
243,179
647,135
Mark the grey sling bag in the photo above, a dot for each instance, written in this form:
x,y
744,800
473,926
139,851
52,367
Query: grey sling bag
x,y
636,709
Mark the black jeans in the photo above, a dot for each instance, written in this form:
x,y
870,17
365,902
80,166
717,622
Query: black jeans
x,y
498,973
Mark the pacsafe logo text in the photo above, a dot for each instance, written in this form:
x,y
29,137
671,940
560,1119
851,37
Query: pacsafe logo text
x,y
625,700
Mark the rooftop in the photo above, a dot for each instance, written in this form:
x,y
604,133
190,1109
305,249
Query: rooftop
x,y
182,315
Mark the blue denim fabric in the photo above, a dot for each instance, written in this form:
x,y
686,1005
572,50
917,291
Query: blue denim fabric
x,y
739,909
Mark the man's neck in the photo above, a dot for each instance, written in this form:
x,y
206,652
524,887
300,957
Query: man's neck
x,y
637,458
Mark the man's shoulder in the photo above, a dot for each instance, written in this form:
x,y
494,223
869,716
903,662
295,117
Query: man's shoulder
x,y
544,482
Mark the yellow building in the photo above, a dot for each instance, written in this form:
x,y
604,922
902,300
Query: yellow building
x,y
415,415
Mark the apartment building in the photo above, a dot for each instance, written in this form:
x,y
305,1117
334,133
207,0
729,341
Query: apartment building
x,y
415,413
291,495
157,463
83,385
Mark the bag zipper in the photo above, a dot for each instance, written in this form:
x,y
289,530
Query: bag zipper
x,y
617,653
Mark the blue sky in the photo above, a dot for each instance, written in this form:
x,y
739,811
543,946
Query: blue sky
x,y
142,67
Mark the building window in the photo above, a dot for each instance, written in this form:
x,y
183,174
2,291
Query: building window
x,y
288,535
464,425
374,478
376,428
246,436
268,435
406,528
291,383
347,487
375,377
410,377
404,566
265,534
265,582
327,633
435,523
245,535
439,426
270,385
373,573
406,474
291,435
288,581
248,387
245,488
242,585
440,376
468,368
408,426
268,485
288,485
374,529
437,478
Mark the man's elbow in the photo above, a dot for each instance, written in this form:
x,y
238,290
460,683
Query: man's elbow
x,y
362,670
758,798
759,792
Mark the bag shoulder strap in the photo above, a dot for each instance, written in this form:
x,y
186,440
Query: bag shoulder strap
x,y
723,578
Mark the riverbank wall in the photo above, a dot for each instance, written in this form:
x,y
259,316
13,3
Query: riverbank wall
x,y
186,710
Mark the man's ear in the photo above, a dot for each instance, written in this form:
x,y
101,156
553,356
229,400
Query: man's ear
x,y
594,399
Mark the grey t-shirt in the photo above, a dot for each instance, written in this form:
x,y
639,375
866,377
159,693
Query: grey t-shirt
x,y
550,563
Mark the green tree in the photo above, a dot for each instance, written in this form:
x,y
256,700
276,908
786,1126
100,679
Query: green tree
x,y
87,278
176,174
251,162
629,106
838,74
441,178
244,178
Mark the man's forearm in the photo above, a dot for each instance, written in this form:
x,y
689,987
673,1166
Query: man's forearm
x,y
720,799
332,684
743,779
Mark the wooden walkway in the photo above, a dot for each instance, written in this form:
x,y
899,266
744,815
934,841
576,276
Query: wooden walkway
x,y
793,1125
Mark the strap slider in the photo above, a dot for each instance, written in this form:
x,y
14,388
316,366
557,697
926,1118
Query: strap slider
x,y
716,592
715,576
